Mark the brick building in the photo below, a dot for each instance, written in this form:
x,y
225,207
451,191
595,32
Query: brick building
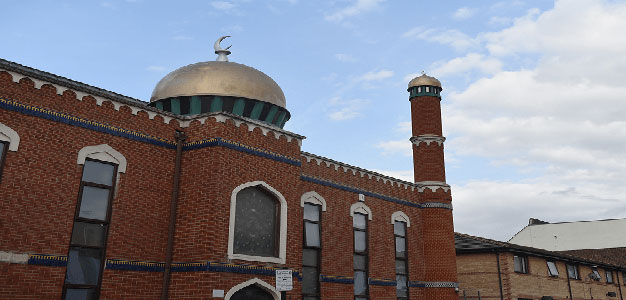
x,y
496,270
201,194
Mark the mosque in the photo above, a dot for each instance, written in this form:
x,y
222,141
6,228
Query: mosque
x,y
201,194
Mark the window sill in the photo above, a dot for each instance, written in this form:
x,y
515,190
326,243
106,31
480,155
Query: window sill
x,y
276,260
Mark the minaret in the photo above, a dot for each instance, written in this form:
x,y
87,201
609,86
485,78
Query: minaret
x,y
439,274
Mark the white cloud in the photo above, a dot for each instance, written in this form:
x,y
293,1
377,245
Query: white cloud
x,y
464,13
342,57
402,147
156,68
375,75
451,37
561,116
406,175
342,109
223,5
470,62
357,7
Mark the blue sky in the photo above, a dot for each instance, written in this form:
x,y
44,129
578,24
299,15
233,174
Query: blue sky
x,y
533,100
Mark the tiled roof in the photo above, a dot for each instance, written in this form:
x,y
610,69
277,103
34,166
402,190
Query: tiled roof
x,y
465,243
613,256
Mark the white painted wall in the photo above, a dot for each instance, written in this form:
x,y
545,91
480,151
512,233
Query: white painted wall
x,y
573,235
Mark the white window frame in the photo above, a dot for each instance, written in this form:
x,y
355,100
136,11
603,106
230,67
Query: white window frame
x,y
313,198
359,207
254,281
400,217
103,152
282,236
7,134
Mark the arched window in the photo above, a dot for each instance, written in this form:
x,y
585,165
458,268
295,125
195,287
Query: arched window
x,y
258,220
86,255
9,141
253,289
360,214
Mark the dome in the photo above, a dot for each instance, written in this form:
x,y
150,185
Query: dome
x,y
219,78
424,80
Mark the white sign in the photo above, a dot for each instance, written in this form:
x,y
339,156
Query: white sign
x,y
284,281
361,197
218,293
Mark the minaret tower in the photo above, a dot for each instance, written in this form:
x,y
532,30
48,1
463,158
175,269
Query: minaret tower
x,y
439,274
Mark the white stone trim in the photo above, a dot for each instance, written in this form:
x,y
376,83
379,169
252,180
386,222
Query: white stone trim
x,y
402,217
432,185
262,284
313,198
427,138
360,207
103,152
13,258
282,248
7,134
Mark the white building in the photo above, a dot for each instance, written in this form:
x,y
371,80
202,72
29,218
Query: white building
x,y
563,236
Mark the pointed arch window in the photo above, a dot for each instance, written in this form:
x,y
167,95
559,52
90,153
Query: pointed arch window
x,y
92,217
258,223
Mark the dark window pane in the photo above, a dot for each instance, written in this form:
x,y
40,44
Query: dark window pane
x,y
94,203
1,149
97,172
312,234
79,294
360,283
572,272
519,264
360,262
359,221
401,266
400,247
309,280
83,266
310,298
255,223
553,271
309,257
399,228
88,234
360,241
360,298
401,286
311,212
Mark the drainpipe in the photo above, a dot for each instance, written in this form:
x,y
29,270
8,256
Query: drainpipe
x,y
619,285
180,139
569,285
499,274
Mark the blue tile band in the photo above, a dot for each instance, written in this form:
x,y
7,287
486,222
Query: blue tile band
x,y
434,284
47,260
337,279
382,282
128,265
211,142
374,195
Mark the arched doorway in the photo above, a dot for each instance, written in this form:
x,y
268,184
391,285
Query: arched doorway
x,y
252,292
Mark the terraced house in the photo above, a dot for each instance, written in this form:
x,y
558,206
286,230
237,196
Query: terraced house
x,y
200,194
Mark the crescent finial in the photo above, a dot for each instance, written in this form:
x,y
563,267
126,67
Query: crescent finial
x,y
222,54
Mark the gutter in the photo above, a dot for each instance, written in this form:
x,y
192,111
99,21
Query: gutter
x,y
180,140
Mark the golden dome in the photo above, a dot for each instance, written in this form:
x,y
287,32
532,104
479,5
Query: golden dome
x,y
424,80
219,78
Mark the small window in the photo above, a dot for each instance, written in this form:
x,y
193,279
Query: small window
x,y
595,275
609,276
3,150
624,277
399,232
572,271
311,250
85,260
552,270
521,264
359,226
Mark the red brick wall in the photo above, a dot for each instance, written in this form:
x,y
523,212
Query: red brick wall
x,y
40,188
